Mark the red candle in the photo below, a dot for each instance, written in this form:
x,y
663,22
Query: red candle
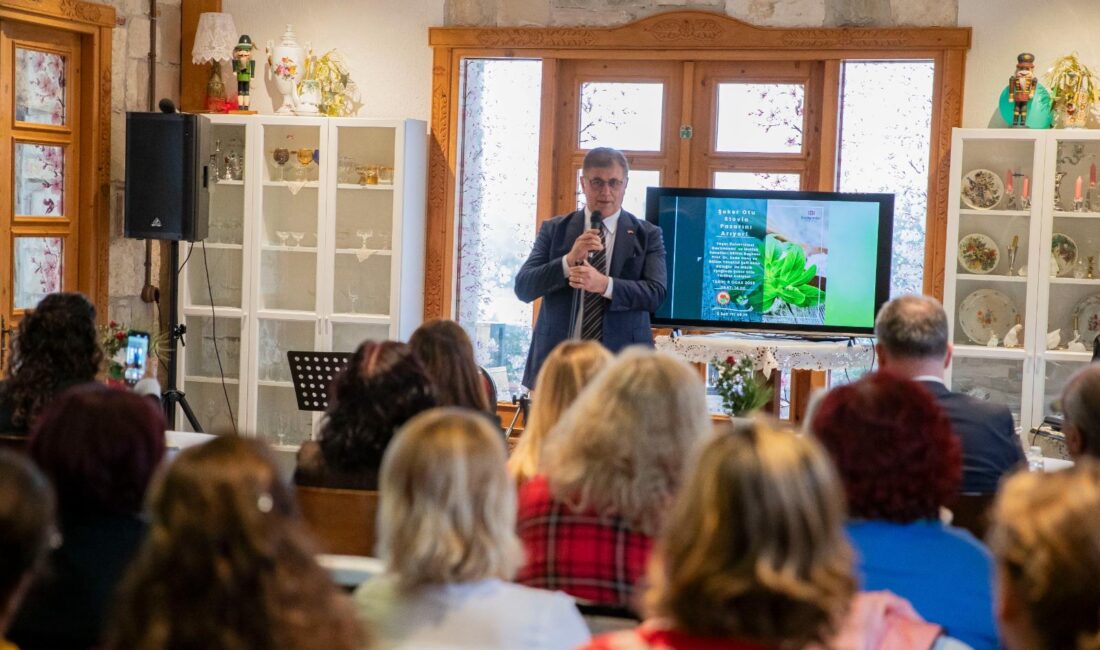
x,y
1027,187
1077,190
1008,182
1092,175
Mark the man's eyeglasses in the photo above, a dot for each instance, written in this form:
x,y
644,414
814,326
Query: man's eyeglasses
x,y
599,183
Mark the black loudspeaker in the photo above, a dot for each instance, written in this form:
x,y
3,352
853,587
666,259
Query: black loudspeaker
x,y
167,176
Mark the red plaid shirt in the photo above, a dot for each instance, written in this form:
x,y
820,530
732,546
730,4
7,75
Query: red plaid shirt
x,y
589,557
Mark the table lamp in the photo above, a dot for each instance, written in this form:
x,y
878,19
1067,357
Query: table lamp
x,y
214,41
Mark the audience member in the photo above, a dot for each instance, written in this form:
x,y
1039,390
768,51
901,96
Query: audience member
x,y
55,347
900,463
608,475
228,564
383,386
1046,538
566,371
99,447
1081,410
447,534
26,524
444,349
913,342
753,555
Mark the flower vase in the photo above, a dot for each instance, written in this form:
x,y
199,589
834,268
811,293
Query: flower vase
x,y
286,65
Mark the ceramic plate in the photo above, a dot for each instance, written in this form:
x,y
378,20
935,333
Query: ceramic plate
x,y
1063,253
985,313
978,253
982,189
1086,318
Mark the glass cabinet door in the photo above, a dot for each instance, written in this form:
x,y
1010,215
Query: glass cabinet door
x,y
287,238
214,277
1000,381
213,348
277,416
368,184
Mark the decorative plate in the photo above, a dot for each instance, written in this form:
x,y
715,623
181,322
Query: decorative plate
x,y
985,313
1063,253
982,189
978,253
1086,316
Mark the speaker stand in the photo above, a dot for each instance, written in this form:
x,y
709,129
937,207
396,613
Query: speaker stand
x,y
173,396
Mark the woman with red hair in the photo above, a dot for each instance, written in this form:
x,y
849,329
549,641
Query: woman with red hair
x,y
900,462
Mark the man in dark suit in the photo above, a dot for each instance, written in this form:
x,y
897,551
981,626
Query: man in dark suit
x,y
1081,412
913,342
617,271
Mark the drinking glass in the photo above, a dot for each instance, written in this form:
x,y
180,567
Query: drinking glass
x,y
281,156
298,237
305,159
282,235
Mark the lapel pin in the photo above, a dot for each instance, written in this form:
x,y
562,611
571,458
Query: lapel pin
x,y
630,232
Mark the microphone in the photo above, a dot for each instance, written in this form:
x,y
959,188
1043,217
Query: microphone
x,y
595,222
167,105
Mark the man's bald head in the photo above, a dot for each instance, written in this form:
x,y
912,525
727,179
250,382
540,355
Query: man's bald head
x,y
912,327
1081,408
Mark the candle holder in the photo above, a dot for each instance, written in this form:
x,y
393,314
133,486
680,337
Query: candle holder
x,y
1078,205
1092,201
1058,176
1025,202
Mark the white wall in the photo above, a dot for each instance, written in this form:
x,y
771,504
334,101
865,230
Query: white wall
x,y
1004,28
384,42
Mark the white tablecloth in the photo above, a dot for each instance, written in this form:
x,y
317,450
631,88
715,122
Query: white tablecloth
x,y
769,353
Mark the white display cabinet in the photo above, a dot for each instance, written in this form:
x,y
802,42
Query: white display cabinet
x,y
316,243
1050,289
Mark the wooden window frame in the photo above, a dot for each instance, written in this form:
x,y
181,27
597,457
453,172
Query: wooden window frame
x,y
92,23
680,36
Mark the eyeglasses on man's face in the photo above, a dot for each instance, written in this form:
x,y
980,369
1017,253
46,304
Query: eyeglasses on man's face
x,y
599,183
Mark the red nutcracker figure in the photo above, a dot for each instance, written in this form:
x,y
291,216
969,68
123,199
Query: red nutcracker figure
x,y
1021,87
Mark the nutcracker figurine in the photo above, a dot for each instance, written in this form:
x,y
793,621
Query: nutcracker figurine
x,y
245,68
1021,87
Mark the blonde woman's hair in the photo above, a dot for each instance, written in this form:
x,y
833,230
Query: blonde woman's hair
x,y
1046,538
621,448
566,371
448,507
756,535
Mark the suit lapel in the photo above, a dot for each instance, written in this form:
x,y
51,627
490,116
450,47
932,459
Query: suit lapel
x,y
625,236
574,226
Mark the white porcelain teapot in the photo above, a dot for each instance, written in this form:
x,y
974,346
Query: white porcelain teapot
x,y
286,64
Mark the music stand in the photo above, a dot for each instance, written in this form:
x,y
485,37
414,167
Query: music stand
x,y
312,374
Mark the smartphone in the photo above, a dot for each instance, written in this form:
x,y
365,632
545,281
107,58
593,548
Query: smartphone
x,y
137,353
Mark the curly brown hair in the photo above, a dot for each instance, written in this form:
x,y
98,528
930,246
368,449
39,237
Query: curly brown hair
x,y
227,564
382,387
55,347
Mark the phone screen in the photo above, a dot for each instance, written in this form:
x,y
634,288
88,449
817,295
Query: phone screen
x,y
137,352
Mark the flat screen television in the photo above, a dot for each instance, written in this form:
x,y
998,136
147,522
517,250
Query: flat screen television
x,y
797,262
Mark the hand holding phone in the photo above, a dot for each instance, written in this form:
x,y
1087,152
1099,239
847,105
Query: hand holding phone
x,y
137,353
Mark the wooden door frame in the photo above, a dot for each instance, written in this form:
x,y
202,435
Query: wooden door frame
x,y
92,23
683,36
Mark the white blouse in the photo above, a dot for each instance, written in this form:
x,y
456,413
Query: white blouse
x,y
485,614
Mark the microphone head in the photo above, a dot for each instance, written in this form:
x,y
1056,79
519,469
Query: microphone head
x,y
167,105
597,218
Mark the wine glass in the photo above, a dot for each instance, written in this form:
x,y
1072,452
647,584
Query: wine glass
x,y
282,235
305,159
364,235
281,156
298,237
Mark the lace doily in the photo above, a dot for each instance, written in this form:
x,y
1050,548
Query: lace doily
x,y
768,353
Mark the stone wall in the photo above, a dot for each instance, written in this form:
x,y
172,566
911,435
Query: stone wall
x,y
129,92
770,13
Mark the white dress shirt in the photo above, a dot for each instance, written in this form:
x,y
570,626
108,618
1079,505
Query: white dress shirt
x,y
611,224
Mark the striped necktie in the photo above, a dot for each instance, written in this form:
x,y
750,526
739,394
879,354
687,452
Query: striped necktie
x,y
594,303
